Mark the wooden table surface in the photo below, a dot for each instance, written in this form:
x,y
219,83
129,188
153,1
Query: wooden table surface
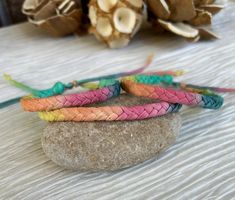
x,y
201,164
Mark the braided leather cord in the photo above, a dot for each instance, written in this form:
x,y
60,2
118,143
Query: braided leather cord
x,y
172,96
110,113
70,100
56,102
69,107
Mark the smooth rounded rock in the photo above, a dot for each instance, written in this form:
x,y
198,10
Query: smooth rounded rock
x,y
108,146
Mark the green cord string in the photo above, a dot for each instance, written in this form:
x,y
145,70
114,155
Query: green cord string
x,y
9,102
59,87
56,89
154,79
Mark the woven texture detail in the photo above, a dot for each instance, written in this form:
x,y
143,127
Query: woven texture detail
x,y
110,113
172,95
70,100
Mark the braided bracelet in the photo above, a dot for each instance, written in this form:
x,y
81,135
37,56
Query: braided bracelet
x,y
108,88
110,113
57,107
172,95
71,100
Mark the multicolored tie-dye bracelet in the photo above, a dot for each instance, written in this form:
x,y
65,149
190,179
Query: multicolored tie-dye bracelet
x,y
71,100
210,101
53,106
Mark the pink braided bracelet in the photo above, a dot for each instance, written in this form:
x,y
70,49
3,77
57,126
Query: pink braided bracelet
x,y
70,100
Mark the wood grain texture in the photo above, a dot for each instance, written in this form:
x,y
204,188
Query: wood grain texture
x,y
201,165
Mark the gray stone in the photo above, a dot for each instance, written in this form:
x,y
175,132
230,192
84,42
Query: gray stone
x,y
108,146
